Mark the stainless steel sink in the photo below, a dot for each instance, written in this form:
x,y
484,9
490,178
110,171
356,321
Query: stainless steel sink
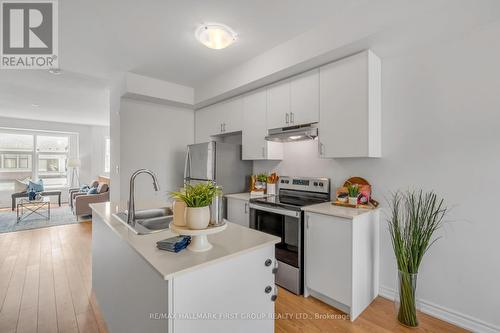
x,y
148,221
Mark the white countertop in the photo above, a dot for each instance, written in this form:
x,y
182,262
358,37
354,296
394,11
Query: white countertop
x,y
243,196
327,208
233,241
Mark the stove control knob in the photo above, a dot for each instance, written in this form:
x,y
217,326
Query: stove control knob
x,y
321,184
315,183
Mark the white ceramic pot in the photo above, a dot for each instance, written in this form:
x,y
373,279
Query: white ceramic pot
x,y
197,217
179,209
353,201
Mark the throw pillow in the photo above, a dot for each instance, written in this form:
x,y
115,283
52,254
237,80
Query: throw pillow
x,y
36,186
21,185
92,190
102,188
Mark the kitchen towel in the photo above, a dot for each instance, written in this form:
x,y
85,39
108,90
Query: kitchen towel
x,y
174,244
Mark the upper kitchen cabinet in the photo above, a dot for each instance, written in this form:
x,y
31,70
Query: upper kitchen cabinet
x,y
206,124
304,98
217,119
294,101
350,107
254,146
231,114
278,111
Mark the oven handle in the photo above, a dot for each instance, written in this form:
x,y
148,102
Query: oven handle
x,y
275,210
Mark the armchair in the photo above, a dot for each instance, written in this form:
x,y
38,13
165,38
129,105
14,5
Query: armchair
x,y
74,191
81,201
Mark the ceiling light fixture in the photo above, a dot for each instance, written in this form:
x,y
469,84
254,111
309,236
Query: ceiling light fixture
x,y
215,35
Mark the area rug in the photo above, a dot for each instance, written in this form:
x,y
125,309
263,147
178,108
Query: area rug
x,y
58,216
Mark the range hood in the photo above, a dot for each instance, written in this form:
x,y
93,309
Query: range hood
x,y
293,133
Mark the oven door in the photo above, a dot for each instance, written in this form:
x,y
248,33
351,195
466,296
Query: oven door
x,y
286,224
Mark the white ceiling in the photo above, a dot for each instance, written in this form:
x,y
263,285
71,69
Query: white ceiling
x,y
69,97
156,37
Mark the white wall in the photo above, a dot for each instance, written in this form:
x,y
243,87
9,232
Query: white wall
x,y
98,135
441,113
153,136
90,140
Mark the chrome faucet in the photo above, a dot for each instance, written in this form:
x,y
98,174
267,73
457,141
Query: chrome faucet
x,y
131,198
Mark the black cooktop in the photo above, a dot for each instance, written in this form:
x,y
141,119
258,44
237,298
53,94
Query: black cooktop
x,y
287,201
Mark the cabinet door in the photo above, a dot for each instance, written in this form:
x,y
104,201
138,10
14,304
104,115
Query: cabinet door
x,y
328,254
304,98
238,212
235,287
206,124
350,107
278,111
231,115
254,145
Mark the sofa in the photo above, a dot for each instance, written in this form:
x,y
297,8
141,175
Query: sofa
x,y
80,201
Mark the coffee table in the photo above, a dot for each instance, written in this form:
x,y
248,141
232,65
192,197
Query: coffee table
x,y
27,208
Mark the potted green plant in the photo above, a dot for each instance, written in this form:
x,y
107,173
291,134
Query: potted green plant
x,y
353,190
416,215
260,184
198,199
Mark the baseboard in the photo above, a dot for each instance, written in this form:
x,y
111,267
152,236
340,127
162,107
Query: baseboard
x,y
448,315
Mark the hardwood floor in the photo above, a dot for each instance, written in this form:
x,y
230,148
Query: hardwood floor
x,y
45,286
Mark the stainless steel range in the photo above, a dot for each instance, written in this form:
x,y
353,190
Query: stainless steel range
x,y
281,215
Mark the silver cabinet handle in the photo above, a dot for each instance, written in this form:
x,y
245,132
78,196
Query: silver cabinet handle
x,y
221,127
307,222
246,207
287,118
224,127
275,268
263,152
268,262
268,289
321,148
291,118
275,295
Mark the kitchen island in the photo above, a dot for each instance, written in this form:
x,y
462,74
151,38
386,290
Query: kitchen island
x,y
140,288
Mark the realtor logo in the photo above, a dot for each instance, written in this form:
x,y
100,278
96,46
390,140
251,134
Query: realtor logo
x,y
29,34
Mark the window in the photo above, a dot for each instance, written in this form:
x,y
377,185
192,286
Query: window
x,y
107,155
29,154
16,153
52,154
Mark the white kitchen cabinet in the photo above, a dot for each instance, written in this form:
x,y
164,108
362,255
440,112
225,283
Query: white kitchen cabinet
x,y
278,110
294,101
304,98
206,124
350,107
238,212
328,256
231,115
341,260
254,145
218,119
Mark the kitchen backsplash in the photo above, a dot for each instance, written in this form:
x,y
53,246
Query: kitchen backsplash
x,y
302,159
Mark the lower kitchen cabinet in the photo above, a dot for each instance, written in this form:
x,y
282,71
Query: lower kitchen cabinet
x,y
341,260
238,212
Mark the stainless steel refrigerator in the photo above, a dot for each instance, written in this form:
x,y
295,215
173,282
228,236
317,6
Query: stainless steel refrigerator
x,y
217,162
